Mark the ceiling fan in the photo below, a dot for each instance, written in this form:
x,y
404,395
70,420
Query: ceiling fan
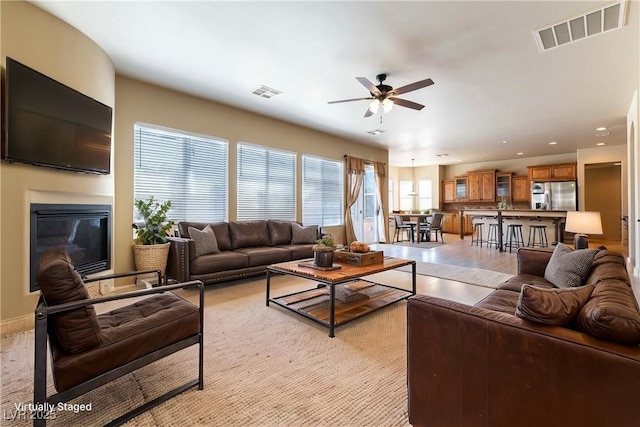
x,y
385,95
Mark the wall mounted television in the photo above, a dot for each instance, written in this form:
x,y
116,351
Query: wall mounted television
x,y
50,124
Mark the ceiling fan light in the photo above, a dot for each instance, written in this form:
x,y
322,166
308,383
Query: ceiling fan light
x,y
373,107
387,105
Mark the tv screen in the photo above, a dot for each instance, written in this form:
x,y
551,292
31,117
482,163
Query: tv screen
x,y
50,124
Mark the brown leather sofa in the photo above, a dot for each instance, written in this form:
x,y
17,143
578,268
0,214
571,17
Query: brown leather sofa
x,y
245,248
484,366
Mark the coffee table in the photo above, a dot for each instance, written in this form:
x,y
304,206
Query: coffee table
x,y
328,311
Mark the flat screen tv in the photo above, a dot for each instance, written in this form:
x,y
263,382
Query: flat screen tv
x,y
50,124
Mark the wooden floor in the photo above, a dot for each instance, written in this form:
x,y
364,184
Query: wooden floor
x,y
461,253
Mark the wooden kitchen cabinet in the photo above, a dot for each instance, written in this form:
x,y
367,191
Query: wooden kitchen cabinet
x,y
482,186
462,194
503,186
564,172
557,172
521,191
451,223
448,191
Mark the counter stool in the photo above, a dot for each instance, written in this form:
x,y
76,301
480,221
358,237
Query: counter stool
x,y
540,231
492,237
476,236
514,236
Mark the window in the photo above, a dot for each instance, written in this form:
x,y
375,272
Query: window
x,y
369,185
190,170
322,191
266,183
406,201
425,194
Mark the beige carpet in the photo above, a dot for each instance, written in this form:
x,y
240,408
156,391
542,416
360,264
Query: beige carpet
x,y
264,366
472,276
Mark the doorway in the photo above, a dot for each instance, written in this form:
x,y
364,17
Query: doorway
x,y
366,211
603,193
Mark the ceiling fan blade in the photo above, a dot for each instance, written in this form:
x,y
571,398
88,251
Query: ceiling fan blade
x,y
405,103
370,86
413,86
368,113
349,100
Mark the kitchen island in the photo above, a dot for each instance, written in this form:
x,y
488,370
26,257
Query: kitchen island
x,y
555,217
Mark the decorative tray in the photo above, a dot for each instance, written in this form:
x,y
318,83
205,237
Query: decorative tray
x,y
311,264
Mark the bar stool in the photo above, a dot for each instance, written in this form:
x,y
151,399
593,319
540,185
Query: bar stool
x,y
492,237
539,230
477,232
514,236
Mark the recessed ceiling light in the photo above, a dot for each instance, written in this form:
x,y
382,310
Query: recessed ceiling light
x,y
600,129
442,155
504,141
375,132
600,143
458,160
601,134
617,164
520,153
553,143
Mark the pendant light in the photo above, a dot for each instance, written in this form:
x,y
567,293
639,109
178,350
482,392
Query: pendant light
x,y
413,182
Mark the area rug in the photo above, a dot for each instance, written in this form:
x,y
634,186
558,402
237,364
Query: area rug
x,y
472,276
264,366
421,245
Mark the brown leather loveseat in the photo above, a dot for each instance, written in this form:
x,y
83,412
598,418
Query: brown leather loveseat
x,y
237,249
484,365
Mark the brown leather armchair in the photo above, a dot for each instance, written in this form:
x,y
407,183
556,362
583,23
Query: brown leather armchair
x,y
90,350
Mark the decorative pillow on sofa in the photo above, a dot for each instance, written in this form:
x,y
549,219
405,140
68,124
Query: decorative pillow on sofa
x,y
611,313
303,235
205,240
569,268
552,306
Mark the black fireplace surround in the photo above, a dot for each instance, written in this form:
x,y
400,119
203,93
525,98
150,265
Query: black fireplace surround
x,y
83,230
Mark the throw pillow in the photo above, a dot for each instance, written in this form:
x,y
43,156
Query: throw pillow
x,y
611,313
303,235
568,268
205,240
552,306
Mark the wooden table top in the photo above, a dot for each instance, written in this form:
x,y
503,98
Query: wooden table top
x,y
346,273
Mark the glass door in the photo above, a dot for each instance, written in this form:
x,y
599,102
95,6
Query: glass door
x,y
366,211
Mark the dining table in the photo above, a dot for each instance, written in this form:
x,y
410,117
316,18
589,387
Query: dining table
x,y
418,220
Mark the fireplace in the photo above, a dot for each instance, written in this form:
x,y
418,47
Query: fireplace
x,y
83,230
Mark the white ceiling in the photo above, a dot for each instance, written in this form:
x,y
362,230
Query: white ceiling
x,y
491,82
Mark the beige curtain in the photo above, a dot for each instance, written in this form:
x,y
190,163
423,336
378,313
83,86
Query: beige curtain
x,y
355,176
380,172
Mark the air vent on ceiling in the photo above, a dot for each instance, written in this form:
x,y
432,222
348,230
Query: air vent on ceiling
x,y
375,132
592,23
266,92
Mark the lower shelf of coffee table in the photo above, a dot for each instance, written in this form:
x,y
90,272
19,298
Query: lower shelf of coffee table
x,y
315,304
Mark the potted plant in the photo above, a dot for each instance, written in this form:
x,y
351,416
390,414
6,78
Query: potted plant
x,y
323,252
151,248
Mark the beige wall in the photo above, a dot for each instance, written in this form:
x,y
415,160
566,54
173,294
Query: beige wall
x,y
43,42
137,101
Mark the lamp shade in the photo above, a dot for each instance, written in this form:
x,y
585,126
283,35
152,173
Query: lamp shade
x,y
584,222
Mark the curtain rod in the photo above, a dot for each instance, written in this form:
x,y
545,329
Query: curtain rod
x,y
366,160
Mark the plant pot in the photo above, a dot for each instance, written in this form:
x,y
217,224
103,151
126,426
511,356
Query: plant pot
x,y
151,257
323,259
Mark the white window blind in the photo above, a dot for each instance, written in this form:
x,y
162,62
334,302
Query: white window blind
x,y
406,201
322,191
266,183
190,170
425,200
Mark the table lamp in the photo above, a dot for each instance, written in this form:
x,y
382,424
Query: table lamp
x,y
583,223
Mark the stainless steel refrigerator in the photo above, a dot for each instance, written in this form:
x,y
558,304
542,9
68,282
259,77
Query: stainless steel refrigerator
x,y
555,196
